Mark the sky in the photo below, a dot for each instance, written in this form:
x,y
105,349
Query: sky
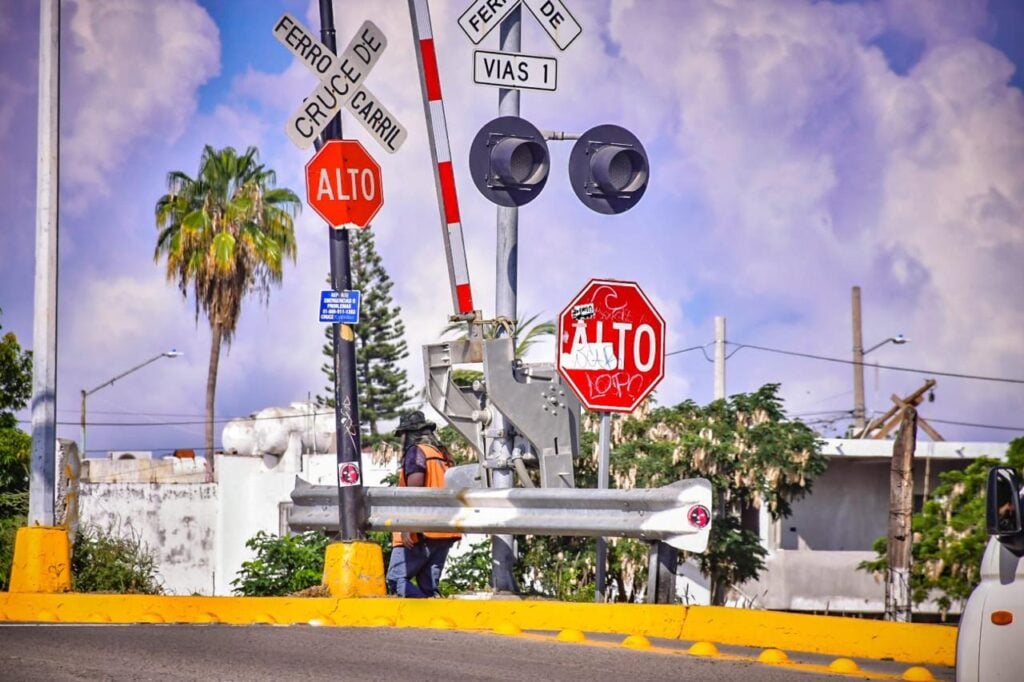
x,y
797,149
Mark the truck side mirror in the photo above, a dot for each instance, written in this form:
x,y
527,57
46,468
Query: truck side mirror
x,y
1002,505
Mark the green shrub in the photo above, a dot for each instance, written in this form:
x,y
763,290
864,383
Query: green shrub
x,y
108,561
468,572
13,515
283,565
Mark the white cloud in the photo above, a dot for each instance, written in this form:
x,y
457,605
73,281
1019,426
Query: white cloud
x,y
789,162
132,74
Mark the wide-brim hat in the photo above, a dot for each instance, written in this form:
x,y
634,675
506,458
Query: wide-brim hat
x,y
414,421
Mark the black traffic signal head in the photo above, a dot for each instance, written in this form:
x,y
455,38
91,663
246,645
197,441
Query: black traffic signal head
x,y
608,169
509,161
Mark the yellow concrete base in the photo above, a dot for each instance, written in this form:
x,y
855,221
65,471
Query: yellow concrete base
x,y
354,569
42,560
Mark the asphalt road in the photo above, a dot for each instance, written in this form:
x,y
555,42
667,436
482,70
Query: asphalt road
x,y
219,652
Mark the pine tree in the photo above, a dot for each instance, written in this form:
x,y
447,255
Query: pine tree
x,y
380,342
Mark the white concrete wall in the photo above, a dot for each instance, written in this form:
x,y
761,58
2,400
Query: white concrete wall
x,y
848,508
197,531
176,521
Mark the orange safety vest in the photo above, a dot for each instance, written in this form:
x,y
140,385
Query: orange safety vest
x,y
437,465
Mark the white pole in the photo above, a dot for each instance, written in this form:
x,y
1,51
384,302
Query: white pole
x,y
44,328
604,447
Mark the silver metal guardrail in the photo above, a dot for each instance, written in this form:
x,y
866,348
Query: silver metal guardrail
x,y
677,514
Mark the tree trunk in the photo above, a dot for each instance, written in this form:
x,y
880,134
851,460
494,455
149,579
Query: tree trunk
x,y
211,386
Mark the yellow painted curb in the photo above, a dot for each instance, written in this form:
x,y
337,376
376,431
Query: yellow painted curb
x,y
847,637
853,637
42,560
507,629
354,569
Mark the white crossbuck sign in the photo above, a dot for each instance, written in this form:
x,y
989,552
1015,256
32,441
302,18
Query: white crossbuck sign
x,y
553,16
341,84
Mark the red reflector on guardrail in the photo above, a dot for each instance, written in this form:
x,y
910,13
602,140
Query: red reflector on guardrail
x,y
699,516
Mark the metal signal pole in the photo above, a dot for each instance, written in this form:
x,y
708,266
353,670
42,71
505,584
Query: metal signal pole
x,y
351,500
506,288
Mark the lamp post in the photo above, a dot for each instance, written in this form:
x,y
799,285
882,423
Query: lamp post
x,y
859,408
85,394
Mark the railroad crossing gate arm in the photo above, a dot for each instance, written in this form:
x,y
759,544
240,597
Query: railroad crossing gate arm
x,y
539,405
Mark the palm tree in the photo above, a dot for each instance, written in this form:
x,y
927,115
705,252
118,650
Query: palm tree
x,y
534,331
225,234
492,330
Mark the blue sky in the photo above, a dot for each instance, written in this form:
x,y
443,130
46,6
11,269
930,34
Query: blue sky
x,y
797,149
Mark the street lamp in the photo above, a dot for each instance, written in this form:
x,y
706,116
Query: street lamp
x,y
85,394
859,408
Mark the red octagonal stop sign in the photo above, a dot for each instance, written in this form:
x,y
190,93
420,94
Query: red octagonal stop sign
x,y
343,184
611,346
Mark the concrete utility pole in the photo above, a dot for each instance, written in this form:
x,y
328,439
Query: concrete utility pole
x,y
858,366
901,508
719,358
44,328
351,501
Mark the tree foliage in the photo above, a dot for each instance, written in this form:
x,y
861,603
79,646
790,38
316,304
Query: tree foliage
x,y
748,449
225,233
949,534
380,342
15,446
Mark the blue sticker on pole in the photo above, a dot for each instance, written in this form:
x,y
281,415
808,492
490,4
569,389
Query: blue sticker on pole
x,y
341,307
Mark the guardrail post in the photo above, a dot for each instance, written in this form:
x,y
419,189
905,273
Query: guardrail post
x,y
661,573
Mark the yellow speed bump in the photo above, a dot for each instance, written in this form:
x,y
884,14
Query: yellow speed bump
x,y
773,656
703,649
636,642
571,635
507,629
917,673
844,665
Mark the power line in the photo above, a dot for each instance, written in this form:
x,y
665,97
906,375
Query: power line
x,y
220,420
978,426
894,368
684,350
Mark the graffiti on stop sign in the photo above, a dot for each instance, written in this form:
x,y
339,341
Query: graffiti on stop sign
x,y
611,345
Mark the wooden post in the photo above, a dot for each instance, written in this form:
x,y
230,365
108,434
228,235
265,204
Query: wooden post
x,y
901,507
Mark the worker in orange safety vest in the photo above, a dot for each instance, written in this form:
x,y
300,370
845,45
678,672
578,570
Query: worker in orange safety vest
x,y
417,559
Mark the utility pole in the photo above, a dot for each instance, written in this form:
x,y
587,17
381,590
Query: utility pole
x,y
901,507
719,358
858,366
506,289
351,501
44,328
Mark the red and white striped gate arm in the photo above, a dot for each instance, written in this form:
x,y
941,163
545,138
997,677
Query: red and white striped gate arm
x,y
444,175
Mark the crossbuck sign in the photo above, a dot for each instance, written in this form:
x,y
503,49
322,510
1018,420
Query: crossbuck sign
x,y
341,84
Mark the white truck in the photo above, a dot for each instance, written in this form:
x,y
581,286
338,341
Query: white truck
x,y
990,639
